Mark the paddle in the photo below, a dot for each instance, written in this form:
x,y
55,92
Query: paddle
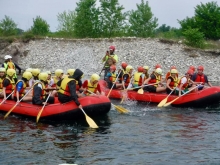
x,y
6,115
113,84
165,100
91,123
39,113
6,98
167,104
118,108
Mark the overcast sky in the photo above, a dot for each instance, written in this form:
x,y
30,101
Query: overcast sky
x,y
23,11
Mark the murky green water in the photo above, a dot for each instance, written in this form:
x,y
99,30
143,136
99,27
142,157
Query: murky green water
x,y
147,135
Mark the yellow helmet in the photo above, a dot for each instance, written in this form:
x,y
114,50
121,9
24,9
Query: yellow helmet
x,y
159,71
27,75
70,71
58,72
146,67
10,72
35,72
128,68
29,70
174,71
48,72
2,70
43,76
94,77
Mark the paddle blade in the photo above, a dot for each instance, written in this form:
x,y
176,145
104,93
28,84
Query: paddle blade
x,y
6,115
162,102
167,104
39,113
120,109
140,91
91,123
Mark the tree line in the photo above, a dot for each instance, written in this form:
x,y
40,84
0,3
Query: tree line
x,y
108,20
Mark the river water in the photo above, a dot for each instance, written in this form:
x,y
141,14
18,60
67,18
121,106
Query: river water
x,y
146,135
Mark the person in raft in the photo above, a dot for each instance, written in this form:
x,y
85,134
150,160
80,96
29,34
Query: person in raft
x,y
111,78
201,77
172,81
183,85
39,91
2,77
137,77
109,59
92,87
154,79
20,87
122,71
9,84
67,90
127,77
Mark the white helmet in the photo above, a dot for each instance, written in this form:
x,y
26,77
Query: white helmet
x,y
8,57
159,71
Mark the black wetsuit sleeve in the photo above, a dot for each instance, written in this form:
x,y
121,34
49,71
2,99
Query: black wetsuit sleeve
x,y
17,67
37,95
73,95
6,82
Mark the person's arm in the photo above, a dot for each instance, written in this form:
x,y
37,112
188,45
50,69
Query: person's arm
x,y
37,94
18,89
5,83
207,81
105,58
168,83
17,67
73,95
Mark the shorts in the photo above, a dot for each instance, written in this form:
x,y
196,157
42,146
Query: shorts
x,y
182,91
150,88
110,85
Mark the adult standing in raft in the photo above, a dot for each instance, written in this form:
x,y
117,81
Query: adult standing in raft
x,y
67,90
201,77
109,59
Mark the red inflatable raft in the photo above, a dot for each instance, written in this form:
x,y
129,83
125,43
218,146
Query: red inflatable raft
x,y
203,98
92,105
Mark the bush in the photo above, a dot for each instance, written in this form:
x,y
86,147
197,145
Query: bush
x,y
194,38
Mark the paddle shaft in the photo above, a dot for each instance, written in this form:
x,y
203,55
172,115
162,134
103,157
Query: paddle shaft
x,y
6,115
139,87
6,98
39,113
113,84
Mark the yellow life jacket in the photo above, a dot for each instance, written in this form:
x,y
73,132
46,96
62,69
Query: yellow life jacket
x,y
1,83
64,89
157,80
43,92
113,77
137,76
91,88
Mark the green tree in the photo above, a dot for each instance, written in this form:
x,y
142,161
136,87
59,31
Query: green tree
x,y
40,26
66,22
112,18
87,22
8,26
194,38
206,19
163,28
142,23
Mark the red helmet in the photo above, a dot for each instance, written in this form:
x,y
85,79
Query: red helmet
x,y
172,67
192,67
190,72
157,66
113,67
200,67
112,48
124,65
140,69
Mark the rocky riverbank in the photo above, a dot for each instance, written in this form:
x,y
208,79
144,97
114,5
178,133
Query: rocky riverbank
x,y
86,54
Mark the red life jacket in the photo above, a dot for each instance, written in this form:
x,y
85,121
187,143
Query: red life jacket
x,y
128,79
174,81
156,80
11,86
184,85
200,78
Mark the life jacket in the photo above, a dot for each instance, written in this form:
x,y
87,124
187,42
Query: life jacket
x,y
11,86
156,80
138,78
184,85
64,88
1,83
55,79
174,81
169,74
22,91
113,76
43,92
200,78
10,65
128,79
91,88
109,61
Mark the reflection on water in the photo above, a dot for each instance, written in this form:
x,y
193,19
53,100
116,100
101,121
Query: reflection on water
x,y
147,135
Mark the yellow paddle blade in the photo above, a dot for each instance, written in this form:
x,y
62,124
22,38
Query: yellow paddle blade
x,y
39,113
120,109
91,123
140,91
6,115
162,102
167,104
